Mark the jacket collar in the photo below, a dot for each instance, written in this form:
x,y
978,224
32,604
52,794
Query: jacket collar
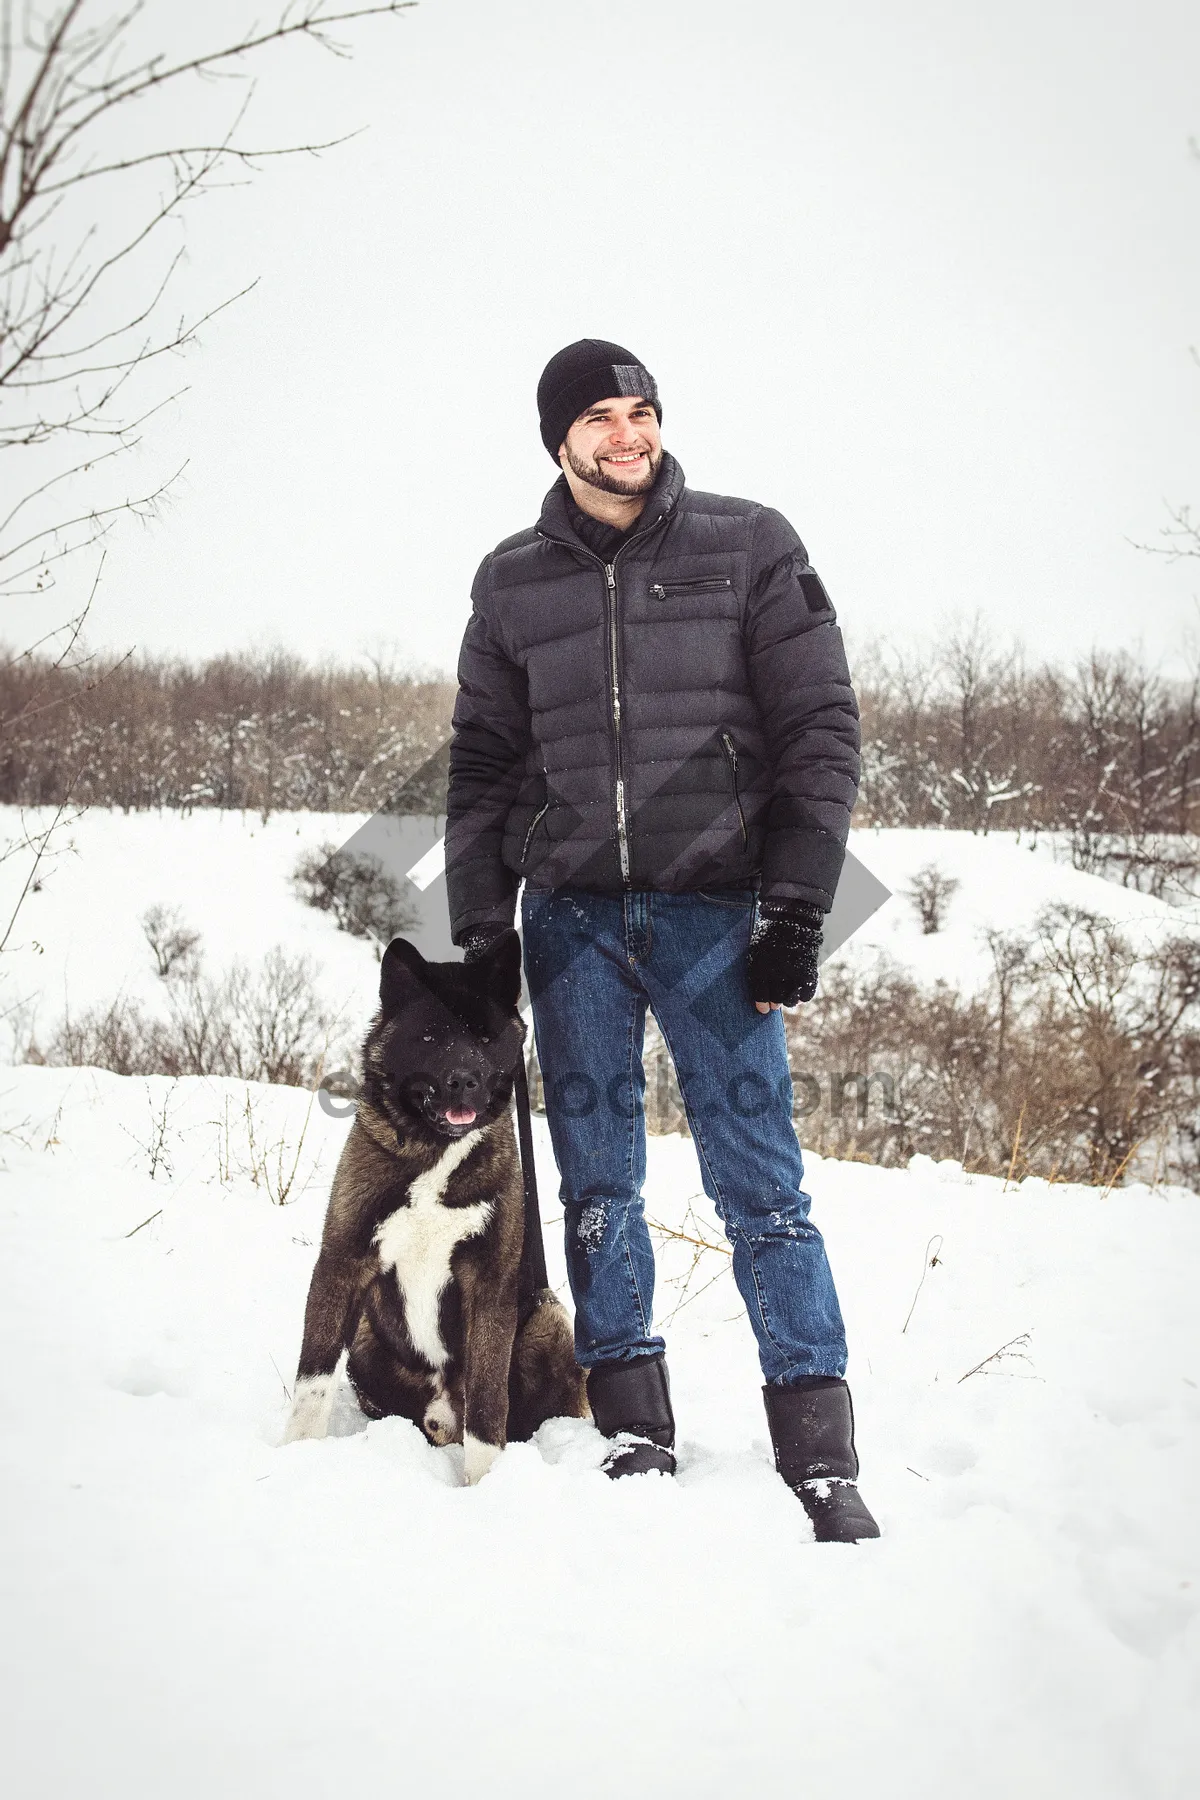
x,y
663,498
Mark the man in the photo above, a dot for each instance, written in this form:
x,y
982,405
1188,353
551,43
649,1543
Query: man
x,y
655,728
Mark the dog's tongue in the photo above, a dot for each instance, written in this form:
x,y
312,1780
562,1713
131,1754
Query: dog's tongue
x,y
460,1115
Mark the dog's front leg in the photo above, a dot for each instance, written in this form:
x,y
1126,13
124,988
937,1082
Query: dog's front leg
x,y
491,1326
329,1316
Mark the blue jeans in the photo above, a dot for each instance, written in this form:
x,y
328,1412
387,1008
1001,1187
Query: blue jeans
x,y
593,963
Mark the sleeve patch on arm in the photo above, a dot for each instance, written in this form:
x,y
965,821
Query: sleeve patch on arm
x,y
813,589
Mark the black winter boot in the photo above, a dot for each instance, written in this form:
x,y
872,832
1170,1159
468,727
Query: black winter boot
x,y
812,1429
634,1399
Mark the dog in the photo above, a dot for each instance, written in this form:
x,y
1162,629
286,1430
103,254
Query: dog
x,y
424,1280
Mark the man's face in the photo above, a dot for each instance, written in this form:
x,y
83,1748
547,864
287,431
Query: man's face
x,y
615,446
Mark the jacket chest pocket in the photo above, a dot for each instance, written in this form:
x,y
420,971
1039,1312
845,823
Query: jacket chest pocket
x,y
701,584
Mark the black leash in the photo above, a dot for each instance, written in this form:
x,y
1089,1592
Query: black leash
x,y
533,1252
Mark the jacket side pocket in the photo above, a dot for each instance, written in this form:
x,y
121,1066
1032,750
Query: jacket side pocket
x,y
533,825
731,758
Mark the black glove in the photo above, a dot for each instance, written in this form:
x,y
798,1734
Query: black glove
x,y
781,963
478,940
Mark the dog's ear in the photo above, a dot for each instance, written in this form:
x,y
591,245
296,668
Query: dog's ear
x,y
400,974
500,965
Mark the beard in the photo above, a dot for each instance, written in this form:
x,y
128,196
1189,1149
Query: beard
x,y
597,475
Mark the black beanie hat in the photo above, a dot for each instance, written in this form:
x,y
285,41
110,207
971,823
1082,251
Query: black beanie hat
x,y
580,375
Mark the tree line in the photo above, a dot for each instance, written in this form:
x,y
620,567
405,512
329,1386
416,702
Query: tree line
x,y
975,737
968,737
262,732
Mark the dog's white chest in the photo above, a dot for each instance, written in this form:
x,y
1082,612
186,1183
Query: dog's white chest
x,y
417,1241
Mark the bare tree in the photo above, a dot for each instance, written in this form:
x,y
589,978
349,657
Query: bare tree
x,y
96,168
978,676
173,943
243,730
931,891
91,175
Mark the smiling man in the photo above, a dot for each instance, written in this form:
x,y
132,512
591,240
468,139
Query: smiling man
x,y
655,728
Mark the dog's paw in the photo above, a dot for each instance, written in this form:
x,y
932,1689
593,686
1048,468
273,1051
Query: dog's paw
x,y
440,1423
478,1458
312,1406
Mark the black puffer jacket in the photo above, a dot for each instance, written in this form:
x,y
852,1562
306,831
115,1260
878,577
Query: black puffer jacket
x,y
679,718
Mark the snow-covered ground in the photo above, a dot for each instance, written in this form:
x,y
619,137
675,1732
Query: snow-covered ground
x,y
1004,881
191,1610
79,940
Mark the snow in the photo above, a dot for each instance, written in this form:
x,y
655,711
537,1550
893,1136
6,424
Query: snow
x,y
79,939
192,1608
1004,881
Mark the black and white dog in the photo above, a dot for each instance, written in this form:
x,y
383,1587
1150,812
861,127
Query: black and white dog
x,y
424,1279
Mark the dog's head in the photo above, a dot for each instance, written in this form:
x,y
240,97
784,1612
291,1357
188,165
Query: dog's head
x,y
444,1048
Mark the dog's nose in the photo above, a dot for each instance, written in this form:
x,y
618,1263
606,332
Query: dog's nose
x,y
462,1084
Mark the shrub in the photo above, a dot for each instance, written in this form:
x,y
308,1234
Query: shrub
x,y
170,940
1168,867
363,898
931,891
261,1024
103,1037
1079,1059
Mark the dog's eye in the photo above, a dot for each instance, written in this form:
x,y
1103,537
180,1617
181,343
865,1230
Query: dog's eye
x,y
428,1038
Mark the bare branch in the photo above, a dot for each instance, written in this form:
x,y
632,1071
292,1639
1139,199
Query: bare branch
x,y
137,507
183,335
146,77
1183,534
64,365
42,842
65,475
1013,1349
229,151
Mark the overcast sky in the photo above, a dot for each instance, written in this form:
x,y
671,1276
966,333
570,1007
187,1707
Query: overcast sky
x,y
924,277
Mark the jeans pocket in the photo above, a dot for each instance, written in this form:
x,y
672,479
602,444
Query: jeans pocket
x,y
738,897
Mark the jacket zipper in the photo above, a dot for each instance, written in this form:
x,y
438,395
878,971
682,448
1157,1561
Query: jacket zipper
x,y
731,753
703,583
532,828
610,575
610,579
